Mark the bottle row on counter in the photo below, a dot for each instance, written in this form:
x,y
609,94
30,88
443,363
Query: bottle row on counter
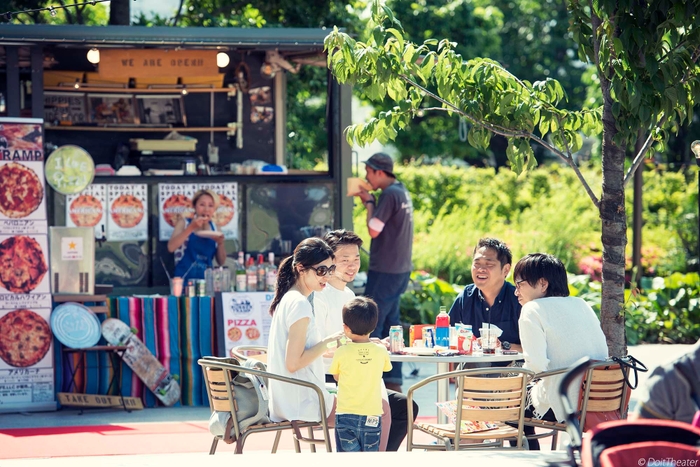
x,y
249,276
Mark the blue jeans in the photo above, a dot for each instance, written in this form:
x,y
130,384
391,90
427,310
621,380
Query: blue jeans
x,y
386,289
352,434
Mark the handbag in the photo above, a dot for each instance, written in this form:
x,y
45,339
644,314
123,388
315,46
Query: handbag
x,y
251,402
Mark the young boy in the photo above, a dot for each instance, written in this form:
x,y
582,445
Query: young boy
x,y
358,367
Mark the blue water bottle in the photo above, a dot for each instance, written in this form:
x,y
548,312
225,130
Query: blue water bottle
x,y
442,328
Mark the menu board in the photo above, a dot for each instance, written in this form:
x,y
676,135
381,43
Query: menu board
x,y
244,319
128,212
226,216
174,202
88,209
26,341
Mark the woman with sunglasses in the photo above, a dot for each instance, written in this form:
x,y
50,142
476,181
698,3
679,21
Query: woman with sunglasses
x,y
295,345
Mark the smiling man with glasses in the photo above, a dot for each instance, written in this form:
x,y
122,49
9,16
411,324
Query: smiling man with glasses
x,y
490,299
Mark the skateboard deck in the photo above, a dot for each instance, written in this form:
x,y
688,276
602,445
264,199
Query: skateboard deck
x,y
146,366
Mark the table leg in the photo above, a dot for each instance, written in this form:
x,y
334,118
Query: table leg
x,y
116,357
443,389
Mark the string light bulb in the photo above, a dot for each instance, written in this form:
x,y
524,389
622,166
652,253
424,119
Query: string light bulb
x,y
93,56
184,89
222,59
77,83
52,11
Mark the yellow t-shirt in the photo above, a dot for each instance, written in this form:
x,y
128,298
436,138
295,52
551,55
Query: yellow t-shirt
x,y
359,368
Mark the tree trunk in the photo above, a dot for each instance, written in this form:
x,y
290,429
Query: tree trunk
x,y
614,234
120,13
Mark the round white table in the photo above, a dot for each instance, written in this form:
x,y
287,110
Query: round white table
x,y
442,362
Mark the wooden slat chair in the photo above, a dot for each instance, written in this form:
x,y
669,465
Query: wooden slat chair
x,y
488,395
244,352
603,389
218,376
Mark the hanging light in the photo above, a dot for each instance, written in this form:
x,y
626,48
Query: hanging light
x,y
184,89
77,83
93,56
52,11
222,59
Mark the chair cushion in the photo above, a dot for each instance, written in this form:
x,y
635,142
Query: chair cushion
x,y
448,431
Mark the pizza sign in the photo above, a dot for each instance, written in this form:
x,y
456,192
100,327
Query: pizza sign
x,y
88,209
128,219
69,169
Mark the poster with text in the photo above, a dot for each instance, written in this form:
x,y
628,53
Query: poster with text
x,y
226,217
128,212
88,209
26,360
174,203
23,197
246,319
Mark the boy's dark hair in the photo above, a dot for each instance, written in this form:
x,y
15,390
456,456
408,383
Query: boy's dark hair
x,y
502,251
535,266
340,237
361,314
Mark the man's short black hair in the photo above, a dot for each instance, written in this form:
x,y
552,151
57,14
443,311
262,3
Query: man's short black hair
x,y
502,251
361,314
340,237
536,266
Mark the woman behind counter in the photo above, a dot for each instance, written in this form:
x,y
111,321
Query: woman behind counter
x,y
199,250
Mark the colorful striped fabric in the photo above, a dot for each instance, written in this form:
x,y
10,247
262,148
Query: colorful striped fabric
x,y
178,331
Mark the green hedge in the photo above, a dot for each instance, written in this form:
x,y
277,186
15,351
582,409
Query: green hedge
x,y
547,210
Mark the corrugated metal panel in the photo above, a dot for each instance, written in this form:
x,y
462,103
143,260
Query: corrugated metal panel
x,y
283,38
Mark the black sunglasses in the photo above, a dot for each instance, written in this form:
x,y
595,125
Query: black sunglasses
x,y
323,270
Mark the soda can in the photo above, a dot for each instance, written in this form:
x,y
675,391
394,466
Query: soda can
x,y
396,339
201,287
411,335
190,288
429,336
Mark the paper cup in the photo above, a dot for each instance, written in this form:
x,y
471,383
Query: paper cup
x,y
176,286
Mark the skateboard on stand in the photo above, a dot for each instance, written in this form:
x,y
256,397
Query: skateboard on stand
x,y
146,366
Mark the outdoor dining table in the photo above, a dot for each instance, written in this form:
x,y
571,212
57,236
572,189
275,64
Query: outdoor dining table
x,y
442,362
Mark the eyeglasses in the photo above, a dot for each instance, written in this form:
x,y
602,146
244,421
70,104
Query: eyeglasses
x,y
517,284
323,270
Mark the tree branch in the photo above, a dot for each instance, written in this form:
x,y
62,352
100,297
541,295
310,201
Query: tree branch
x,y
176,19
508,133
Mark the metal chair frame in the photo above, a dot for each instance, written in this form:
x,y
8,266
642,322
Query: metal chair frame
x,y
603,389
218,376
485,397
242,353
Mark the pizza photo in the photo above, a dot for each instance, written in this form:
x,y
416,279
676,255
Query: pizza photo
x,y
175,208
22,264
21,191
252,333
25,338
127,211
224,213
85,211
23,137
234,334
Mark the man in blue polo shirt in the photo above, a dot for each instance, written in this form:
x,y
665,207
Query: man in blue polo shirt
x,y
490,299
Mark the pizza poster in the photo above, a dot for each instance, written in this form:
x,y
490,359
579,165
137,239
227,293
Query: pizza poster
x,y
226,216
244,319
88,209
24,265
26,359
128,212
174,203
23,197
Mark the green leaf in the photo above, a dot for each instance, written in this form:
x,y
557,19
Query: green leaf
x,y
616,109
397,35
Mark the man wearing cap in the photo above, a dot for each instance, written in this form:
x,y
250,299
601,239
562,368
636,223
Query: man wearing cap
x,y
390,224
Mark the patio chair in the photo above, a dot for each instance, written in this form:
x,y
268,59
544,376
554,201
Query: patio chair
x,y
493,395
244,352
219,374
603,391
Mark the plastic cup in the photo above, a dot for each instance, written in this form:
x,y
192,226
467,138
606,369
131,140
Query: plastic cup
x,y
176,286
488,340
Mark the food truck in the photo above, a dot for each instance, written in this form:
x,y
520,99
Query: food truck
x,y
120,126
